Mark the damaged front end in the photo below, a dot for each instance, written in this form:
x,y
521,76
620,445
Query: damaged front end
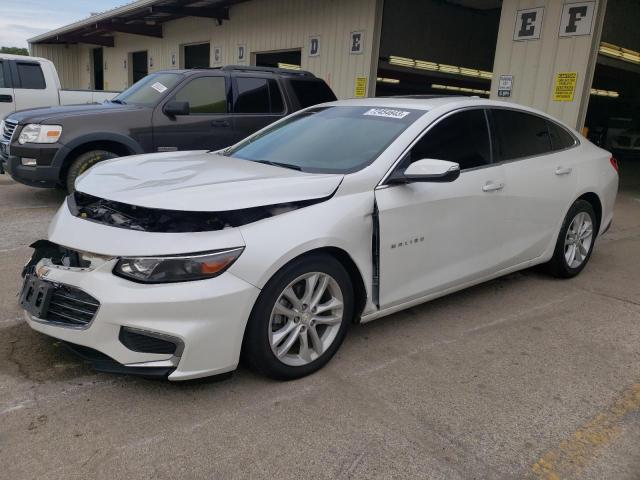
x,y
60,256
144,219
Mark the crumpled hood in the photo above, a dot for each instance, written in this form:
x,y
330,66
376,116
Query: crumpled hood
x,y
201,181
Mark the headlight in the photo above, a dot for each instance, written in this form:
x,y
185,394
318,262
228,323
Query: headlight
x,y
34,133
178,268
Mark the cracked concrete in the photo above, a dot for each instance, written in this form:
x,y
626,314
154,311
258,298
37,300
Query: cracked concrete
x,y
522,377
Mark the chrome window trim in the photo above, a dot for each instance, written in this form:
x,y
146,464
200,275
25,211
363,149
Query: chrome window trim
x,y
576,141
487,109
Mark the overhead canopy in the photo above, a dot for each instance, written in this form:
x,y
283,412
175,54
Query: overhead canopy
x,y
143,17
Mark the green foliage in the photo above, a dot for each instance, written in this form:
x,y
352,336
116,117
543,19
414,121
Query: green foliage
x,y
14,50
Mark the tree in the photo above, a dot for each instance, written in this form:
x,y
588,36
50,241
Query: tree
x,y
14,50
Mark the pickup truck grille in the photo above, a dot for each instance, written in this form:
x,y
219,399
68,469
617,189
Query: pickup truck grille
x,y
9,128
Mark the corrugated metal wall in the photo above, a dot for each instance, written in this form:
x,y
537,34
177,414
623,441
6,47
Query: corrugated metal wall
x,y
534,63
261,25
65,58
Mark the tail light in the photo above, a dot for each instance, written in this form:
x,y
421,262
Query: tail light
x,y
614,163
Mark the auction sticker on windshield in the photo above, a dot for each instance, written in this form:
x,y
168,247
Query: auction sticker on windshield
x,y
386,112
158,87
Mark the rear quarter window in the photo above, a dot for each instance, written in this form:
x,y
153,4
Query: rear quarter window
x,y
311,92
520,134
560,137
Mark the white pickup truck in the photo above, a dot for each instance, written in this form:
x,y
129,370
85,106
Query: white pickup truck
x,y
31,82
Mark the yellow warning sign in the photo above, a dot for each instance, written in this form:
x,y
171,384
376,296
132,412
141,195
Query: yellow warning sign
x,y
361,87
565,86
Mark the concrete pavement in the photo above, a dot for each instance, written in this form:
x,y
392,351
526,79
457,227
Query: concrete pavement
x,y
523,377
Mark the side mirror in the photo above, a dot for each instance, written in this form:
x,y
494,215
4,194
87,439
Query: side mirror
x,y
174,108
427,170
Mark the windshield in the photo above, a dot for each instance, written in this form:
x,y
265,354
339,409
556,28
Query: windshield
x,y
149,90
327,139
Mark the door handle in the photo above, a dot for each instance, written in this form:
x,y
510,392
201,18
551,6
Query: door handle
x,y
563,170
6,98
220,123
492,187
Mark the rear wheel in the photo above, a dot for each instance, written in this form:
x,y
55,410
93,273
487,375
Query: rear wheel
x,y
300,318
575,241
83,163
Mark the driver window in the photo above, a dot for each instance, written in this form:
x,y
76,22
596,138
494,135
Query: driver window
x,y
462,138
205,95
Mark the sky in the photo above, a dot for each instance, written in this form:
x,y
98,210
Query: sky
x,y
22,19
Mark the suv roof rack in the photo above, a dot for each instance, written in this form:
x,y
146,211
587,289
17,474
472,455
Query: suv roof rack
x,y
281,71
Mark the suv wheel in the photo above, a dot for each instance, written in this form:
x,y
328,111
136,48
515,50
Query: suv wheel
x,y
575,241
83,163
300,318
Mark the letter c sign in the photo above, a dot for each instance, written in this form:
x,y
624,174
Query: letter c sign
x,y
528,24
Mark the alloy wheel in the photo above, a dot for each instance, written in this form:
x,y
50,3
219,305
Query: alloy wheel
x,y
578,239
306,319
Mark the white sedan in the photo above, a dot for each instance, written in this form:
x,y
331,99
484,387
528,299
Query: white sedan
x,y
177,264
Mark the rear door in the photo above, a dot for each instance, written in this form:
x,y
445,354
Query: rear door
x,y
7,100
257,102
209,124
30,87
540,180
435,236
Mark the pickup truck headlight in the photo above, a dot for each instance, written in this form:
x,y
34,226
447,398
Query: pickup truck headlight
x,y
34,133
176,268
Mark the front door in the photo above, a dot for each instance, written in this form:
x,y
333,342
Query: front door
x,y
257,102
7,99
435,236
209,126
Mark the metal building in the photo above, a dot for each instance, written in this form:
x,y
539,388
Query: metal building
x,y
578,60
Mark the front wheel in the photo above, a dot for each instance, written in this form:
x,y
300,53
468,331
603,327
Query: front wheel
x,y
300,318
575,241
83,163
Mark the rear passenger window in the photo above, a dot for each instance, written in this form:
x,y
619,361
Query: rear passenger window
x,y
520,134
560,137
311,92
462,138
31,76
258,95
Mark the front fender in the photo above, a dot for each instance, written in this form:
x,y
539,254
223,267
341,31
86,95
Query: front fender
x,y
134,147
342,222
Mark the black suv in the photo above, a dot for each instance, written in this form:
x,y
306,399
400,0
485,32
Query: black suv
x,y
165,111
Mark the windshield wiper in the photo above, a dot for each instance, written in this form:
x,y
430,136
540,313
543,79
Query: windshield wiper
x,y
117,100
278,164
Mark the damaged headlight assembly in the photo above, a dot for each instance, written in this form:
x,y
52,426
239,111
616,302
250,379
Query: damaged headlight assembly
x,y
177,268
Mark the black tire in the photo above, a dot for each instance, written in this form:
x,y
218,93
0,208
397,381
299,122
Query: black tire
x,y
558,265
83,163
257,352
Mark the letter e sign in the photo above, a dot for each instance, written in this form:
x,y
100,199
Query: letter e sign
x,y
356,44
577,19
528,24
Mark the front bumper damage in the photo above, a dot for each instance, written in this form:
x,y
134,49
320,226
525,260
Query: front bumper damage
x,y
177,331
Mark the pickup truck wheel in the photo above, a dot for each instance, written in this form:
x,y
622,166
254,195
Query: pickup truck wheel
x,y
83,163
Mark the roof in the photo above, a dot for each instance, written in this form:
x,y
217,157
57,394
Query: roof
x,y
142,17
